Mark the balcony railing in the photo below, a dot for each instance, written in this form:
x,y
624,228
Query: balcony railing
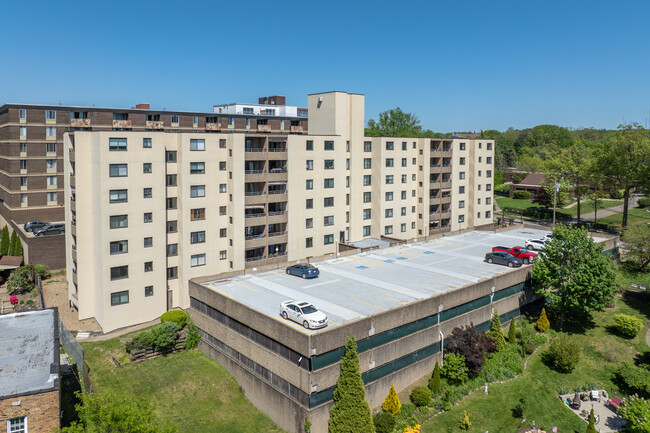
x,y
281,191
277,233
277,212
80,123
259,236
255,215
154,124
264,128
254,171
254,149
122,124
254,259
277,149
213,126
253,193
278,170
295,129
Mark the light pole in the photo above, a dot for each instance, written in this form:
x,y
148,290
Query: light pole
x,y
555,190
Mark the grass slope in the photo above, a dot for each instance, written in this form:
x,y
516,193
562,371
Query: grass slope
x,y
635,216
189,390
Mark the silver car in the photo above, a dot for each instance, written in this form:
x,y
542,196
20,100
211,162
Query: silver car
x,y
304,313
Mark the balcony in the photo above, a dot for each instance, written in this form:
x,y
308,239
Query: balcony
x,y
263,128
122,124
154,124
296,129
80,123
213,126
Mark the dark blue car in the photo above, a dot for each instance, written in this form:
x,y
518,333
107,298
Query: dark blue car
x,y
304,271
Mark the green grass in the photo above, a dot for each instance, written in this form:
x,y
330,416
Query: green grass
x,y
188,389
635,216
602,353
587,206
515,203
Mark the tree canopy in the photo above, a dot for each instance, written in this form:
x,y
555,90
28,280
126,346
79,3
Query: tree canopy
x,y
395,123
637,238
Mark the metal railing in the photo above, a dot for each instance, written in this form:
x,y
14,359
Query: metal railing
x,y
259,236
254,259
273,234
277,212
253,193
254,215
254,171
282,191
277,149
254,149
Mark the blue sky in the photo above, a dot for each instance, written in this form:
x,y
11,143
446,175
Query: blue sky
x,y
458,65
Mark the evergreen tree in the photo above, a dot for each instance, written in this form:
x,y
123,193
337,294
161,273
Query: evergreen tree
x,y
496,333
591,428
12,243
465,424
391,403
434,383
351,412
18,246
542,323
4,241
512,332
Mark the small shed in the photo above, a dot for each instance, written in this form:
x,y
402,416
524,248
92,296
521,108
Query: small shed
x,y
10,262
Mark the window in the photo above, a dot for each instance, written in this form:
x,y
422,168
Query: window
x,y
489,146
147,192
309,145
404,145
461,218
119,272
148,217
367,180
488,160
172,226
17,425
403,195
309,223
51,181
23,200
347,217
174,118
462,161
388,230
366,230
223,233
148,291
388,213
23,182
197,237
119,221
479,173
146,143
462,146
50,131
171,180
367,197
119,298
222,210
488,200
367,163
49,147
197,167
223,187
172,273
117,170
403,211
197,191
146,168
172,250
404,162
119,247
248,110
328,239
329,145
22,113
223,255
488,214
389,162
328,202
367,213
389,179
389,196
403,227
222,166
461,175
50,165
309,242
390,145
309,184
51,198
222,143
478,214
329,164
403,178
197,260
170,156
197,214
23,148
148,242
328,220
197,144
347,163
23,164
23,131
488,187
367,146
329,183
148,266
461,204
488,173
461,190
479,201
116,144
310,164
347,146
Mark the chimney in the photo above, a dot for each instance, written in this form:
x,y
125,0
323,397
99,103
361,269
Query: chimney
x,y
142,106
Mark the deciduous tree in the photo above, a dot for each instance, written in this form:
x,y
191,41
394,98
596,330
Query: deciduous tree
x,y
574,273
394,123
473,346
636,412
637,238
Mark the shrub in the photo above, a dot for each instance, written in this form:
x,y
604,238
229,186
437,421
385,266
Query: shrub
x,y
542,323
503,189
643,202
495,333
465,424
520,408
384,422
192,338
164,335
512,332
21,279
434,383
454,368
179,317
563,354
391,402
474,346
29,302
140,341
627,326
529,347
43,271
616,194
522,195
503,365
635,379
420,396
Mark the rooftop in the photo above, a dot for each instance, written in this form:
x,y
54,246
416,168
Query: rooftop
x,y
369,283
29,341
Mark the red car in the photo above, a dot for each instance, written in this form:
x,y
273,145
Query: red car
x,y
519,252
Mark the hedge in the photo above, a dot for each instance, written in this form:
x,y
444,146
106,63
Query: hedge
x,y
179,317
522,195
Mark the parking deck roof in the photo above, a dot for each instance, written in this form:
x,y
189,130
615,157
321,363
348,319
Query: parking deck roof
x,y
360,285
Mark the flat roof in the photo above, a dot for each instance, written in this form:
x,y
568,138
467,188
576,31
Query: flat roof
x,y
364,284
28,352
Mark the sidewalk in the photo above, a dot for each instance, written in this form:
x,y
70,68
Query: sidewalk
x,y
602,213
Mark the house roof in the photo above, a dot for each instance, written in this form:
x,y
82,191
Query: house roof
x,y
30,352
533,179
10,262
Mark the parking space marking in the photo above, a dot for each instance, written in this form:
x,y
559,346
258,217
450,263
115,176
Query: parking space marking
x,y
426,287
441,282
244,285
322,283
401,301
222,292
376,282
368,303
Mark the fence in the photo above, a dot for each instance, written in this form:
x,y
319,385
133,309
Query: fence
x,y
76,352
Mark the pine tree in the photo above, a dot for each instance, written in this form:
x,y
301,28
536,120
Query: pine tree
x,y
12,244
465,423
4,241
591,428
542,323
351,412
512,332
434,383
18,246
391,403
496,333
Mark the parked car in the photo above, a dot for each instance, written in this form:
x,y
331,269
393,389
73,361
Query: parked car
x,y
303,270
30,226
304,313
503,258
548,237
536,244
51,229
519,252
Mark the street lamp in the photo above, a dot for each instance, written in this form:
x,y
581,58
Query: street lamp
x,y
555,191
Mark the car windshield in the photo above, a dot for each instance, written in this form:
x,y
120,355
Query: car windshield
x,y
309,309
310,267
524,250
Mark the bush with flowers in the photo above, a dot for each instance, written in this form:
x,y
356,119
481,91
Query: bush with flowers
x,y
414,429
13,299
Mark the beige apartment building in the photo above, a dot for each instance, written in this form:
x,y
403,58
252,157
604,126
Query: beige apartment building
x,y
148,210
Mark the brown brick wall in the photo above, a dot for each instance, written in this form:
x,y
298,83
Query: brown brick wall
x,y
42,411
46,250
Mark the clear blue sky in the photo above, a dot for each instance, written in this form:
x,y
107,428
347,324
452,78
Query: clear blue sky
x,y
459,65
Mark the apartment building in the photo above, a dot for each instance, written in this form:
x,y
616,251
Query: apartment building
x,y
31,153
149,210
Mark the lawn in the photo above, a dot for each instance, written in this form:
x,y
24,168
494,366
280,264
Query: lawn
x,y
635,215
602,353
587,206
188,389
515,203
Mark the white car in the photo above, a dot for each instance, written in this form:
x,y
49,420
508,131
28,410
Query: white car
x,y
535,244
304,313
